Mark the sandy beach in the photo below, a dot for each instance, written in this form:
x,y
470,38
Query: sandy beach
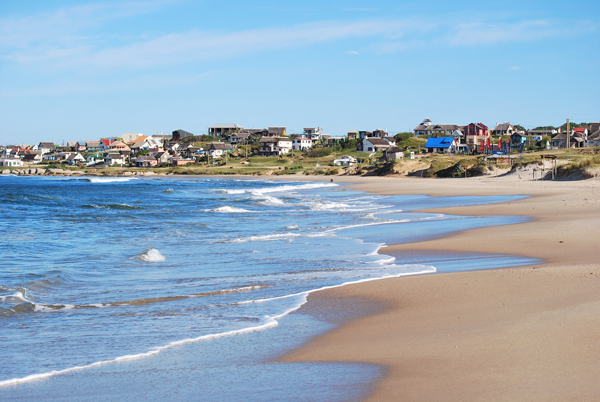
x,y
524,334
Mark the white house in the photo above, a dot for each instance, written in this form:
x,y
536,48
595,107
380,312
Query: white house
x,y
301,143
75,158
10,161
272,146
314,133
373,144
93,159
218,149
112,159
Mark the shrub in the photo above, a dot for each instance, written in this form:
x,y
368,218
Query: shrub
x,y
319,152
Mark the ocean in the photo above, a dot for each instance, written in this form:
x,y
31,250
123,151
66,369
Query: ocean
x,y
181,288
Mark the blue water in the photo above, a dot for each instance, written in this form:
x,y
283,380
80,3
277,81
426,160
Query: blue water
x,y
103,270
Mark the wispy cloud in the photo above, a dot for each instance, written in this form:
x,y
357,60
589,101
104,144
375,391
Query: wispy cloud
x,y
353,52
68,38
514,68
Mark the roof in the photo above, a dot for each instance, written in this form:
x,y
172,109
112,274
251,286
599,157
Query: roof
x,y
389,138
503,126
274,139
114,156
219,145
92,143
276,130
47,145
106,141
71,143
439,142
580,129
393,149
377,141
141,138
437,127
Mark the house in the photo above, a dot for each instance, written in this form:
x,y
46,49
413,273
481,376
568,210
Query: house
x,y
276,131
223,129
80,146
46,147
301,143
11,161
583,131
379,133
177,161
32,158
390,140
93,146
129,137
112,159
352,135
504,129
373,144
72,145
217,149
272,146
428,128
442,145
145,161
517,139
542,132
180,134
575,140
162,157
105,143
93,159
475,133
240,138
75,158
119,146
314,133
393,153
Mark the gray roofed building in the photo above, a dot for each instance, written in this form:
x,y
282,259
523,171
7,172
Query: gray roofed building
x,y
428,128
223,129
504,129
179,134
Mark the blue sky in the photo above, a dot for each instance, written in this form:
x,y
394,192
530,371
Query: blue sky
x,y
73,70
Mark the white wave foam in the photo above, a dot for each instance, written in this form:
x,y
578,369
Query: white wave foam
x,y
270,322
109,179
269,200
279,236
152,255
265,190
227,209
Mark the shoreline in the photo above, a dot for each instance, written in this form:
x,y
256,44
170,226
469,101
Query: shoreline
x,y
560,235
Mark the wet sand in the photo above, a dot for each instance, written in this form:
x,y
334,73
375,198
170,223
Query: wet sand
x,y
526,334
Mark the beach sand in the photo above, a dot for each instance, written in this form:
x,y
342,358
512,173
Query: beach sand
x,y
513,334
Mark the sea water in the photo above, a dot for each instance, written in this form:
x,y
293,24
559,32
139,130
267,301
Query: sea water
x,y
101,276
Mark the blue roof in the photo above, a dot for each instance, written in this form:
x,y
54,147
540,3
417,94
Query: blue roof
x,y
440,142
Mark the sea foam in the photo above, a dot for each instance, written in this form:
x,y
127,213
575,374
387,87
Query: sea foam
x,y
152,255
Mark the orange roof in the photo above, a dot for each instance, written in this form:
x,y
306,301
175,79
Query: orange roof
x,y
138,139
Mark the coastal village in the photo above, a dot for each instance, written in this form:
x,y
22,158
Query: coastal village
x,y
358,152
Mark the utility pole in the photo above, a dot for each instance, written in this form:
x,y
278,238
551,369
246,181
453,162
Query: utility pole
x,y
568,133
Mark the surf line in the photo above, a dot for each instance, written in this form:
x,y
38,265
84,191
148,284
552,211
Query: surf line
x,y
271,322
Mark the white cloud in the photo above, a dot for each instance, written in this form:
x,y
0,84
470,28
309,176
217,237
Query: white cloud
x,y
354,52
514,68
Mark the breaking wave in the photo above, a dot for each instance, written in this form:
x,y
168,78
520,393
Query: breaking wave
x,y
152,255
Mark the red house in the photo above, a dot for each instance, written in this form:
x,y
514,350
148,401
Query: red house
x,y
477,129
